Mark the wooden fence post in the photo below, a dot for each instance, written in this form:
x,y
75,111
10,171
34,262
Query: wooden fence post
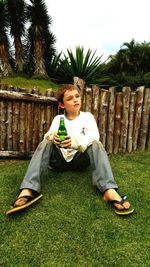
x,y
148,135
117,122
3,134
88,99
144,120
15,126
103,111
9,125
110,122
95,102
29,126
124,121
138,112
131,121
22,127
80,84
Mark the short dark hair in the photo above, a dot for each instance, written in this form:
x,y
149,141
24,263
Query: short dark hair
x,y
63,89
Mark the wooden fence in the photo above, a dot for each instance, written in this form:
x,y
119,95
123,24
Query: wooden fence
x,y
24,118
123,118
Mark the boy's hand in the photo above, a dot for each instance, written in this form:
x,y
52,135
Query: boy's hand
x,y
64,144
67,142
56,140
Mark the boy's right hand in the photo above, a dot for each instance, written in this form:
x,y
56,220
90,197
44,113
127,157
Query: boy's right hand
x,y
56,140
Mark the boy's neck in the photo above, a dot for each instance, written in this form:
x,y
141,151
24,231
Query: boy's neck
x,y
72,116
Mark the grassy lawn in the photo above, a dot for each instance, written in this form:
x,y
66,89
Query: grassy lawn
x,y
23,82
71,225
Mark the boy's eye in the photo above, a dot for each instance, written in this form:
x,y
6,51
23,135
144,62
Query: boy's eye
x,y
69,98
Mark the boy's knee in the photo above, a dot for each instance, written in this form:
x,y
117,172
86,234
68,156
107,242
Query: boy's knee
x,y
98,143
43,144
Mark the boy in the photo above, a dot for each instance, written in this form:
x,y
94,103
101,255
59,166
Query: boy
x,y
80,149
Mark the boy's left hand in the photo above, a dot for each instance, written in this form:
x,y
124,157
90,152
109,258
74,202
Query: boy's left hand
x,y
67,142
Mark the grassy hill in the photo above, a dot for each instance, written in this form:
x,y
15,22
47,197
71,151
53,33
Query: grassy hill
x,y
23,82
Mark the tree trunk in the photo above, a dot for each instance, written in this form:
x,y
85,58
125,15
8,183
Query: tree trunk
x,y
39,61
6,67
19,55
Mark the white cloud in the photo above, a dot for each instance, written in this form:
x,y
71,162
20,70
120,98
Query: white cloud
x,y
101,25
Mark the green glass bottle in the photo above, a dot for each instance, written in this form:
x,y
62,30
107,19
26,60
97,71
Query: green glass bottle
x,y
62,132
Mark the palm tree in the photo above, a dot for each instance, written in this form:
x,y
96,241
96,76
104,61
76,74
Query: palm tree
x,y
49,53
5,56
86,66
38,34
131,53
145,57
130,66
17,19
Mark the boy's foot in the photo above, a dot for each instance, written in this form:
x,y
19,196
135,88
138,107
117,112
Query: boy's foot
x,y
21,200
121,204
26,198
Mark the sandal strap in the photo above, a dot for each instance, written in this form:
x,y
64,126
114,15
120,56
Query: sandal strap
x,y
28,198
123,200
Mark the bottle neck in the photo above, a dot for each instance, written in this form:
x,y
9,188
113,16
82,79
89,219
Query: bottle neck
x,y
62,125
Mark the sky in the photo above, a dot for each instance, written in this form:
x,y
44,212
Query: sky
x,y
100,25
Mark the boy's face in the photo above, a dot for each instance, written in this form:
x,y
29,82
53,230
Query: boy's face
x,y
71,102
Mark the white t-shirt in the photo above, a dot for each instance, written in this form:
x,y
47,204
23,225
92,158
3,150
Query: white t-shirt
x,y
83,131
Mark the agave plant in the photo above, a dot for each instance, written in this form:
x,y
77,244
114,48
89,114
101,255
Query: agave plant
x,y
52,67
86,66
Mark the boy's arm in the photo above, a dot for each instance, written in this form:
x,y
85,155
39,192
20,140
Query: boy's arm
x,y
53,129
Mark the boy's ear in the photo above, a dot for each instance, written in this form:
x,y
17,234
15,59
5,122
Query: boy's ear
x,y
61,105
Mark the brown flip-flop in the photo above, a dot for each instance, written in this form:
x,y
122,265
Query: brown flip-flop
x,y
30,201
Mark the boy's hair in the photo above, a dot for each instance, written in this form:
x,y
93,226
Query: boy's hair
x,y
63,89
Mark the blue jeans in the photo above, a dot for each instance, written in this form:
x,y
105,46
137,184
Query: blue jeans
x,y
95,156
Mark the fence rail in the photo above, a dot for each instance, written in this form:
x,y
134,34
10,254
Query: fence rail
x,y
123,118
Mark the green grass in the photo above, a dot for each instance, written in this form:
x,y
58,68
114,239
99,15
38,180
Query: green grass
x,y
23,82
71,225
